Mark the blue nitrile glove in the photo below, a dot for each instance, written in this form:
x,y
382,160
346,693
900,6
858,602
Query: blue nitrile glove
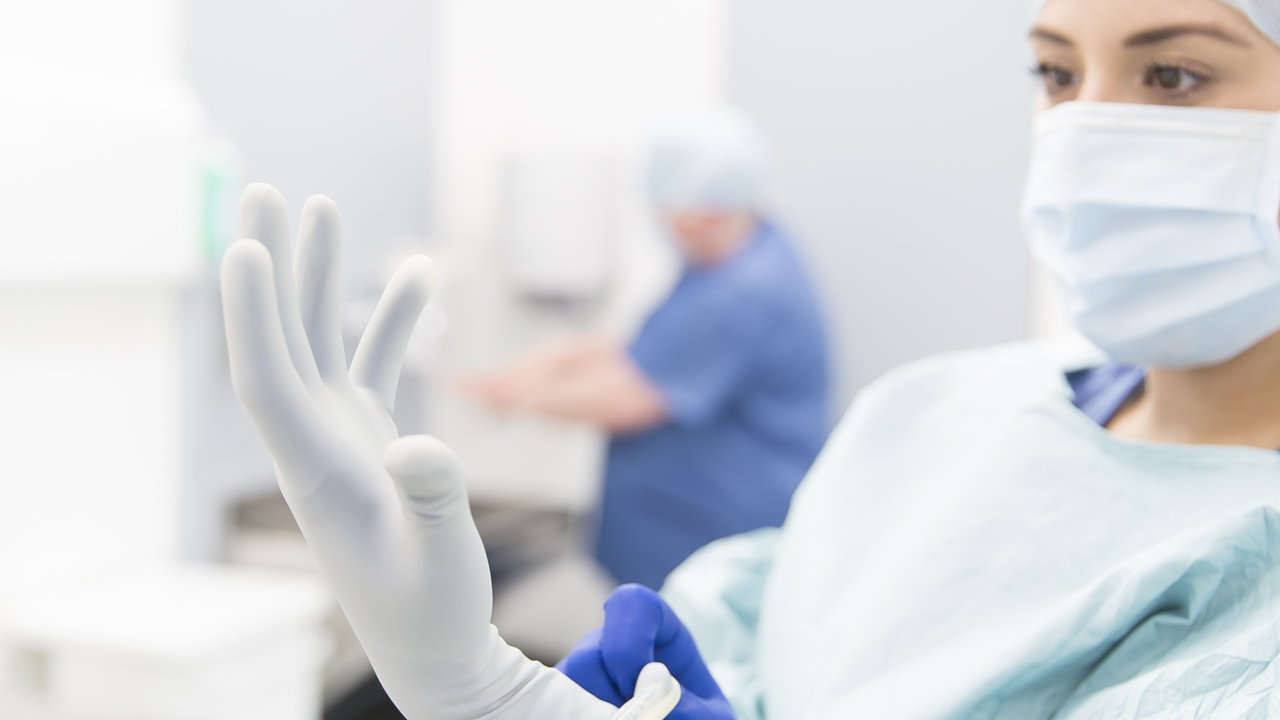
x,y
640,628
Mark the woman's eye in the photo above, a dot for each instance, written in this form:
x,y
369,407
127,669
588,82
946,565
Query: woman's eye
x,y
1055,78
1172,78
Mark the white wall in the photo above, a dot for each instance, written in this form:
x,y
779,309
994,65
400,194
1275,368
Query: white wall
x,y
326,96
100,142
901,131
560,76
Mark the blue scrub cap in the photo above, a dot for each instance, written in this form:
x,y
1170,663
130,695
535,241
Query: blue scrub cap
x,y
708,160
1265,14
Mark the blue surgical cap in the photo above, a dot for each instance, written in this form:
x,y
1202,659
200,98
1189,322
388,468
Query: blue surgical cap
x,y
708,160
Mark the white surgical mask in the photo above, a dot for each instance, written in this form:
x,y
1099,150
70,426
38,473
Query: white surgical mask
x,y
1160,224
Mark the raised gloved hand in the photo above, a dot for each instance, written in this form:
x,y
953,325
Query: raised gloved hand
x,y
640,628
386,517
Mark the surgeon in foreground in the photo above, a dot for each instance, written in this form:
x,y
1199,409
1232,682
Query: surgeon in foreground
x,y
1005,533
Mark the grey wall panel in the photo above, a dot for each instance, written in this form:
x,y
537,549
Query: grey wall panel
x,y
326,96
901,131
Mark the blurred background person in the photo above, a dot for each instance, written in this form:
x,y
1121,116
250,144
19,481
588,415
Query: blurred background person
x,y
719,405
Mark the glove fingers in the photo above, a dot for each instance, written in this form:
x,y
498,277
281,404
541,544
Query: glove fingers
x,y
632,619
584,666
657,694
676,649
263,218
456,570
378,357
692,707
316,269
640,628
262,372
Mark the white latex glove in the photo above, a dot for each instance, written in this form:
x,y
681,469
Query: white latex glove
x,y
386,517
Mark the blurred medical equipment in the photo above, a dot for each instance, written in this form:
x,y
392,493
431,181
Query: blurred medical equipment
x,y
263,535
1119,202
387,517
639,628
107,187
558,599
560,226
713,160
1028,564
191,642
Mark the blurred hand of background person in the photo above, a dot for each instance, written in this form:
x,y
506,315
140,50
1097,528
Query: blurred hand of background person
x,y
593,379
585,379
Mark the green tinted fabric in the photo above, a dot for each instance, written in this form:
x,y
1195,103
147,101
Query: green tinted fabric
x,y
971,545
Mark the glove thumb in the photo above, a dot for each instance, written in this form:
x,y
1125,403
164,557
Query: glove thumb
x,y
429,479
450,565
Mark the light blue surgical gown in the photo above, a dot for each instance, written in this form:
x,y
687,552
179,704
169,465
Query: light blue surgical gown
x,y
971,545
738,353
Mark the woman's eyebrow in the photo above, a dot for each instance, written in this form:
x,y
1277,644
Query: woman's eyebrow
x,y
1040,33
1159,35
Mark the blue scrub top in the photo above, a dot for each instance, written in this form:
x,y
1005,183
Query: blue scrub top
x,y
1102,390
739,354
